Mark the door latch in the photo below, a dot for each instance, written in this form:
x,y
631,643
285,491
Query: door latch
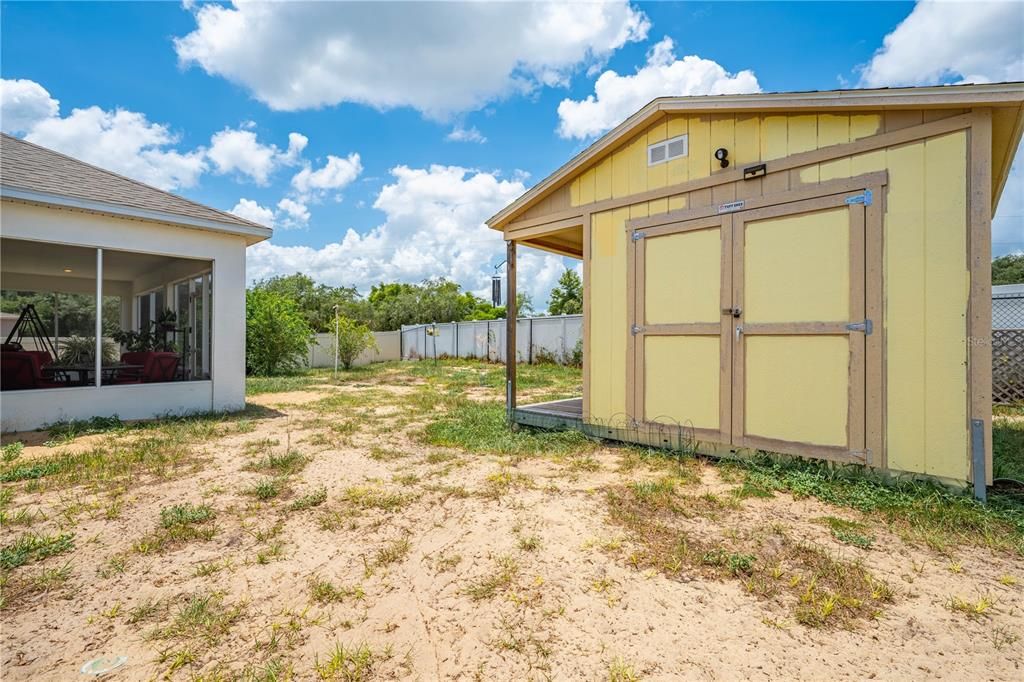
x,y
735,312
635,329
739,331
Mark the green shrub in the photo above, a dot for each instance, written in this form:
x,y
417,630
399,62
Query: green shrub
x,y
352,339
277,335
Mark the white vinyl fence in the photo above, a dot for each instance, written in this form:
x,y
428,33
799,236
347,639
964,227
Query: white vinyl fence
x,y
538,339
321,351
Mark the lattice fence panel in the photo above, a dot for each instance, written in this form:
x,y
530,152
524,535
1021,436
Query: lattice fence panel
x,y
1007,349
1007,365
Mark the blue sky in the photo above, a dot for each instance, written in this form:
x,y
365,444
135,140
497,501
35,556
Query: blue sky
x,y
207,97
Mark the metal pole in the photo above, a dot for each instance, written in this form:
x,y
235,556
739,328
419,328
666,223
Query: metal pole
x,y
337,337
511,321
99,317
529,350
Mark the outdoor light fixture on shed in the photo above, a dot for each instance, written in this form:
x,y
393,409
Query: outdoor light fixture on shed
x,y
722,154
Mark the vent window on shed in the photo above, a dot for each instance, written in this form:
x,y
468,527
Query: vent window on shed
x,y
667,150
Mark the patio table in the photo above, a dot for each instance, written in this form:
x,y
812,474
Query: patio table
x,y
86,369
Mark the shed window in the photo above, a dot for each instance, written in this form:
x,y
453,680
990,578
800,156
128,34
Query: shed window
x,y
667,150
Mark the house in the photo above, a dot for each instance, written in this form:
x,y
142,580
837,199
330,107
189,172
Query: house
x,y
802,273
101,257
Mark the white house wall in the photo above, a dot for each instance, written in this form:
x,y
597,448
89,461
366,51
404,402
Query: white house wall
x,y
38,223
27,410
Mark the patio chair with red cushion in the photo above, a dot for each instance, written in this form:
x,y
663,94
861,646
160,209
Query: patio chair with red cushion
x,y
155,367
21,370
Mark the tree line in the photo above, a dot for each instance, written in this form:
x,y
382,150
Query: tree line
x,y
389,306
283,313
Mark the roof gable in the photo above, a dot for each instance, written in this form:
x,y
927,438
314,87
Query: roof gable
x,y
1008,97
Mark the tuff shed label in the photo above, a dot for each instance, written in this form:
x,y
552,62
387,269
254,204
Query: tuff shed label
x,y
731,206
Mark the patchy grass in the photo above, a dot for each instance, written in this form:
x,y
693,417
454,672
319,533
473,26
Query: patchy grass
x,y
313,378
1008,444
179,524
15,588
498,484
33,547
500,580
66,431
284,464
481,427
308,501
849,532
351,664
182,515
266,488
619,670
325,592
367,497
11,451
918,511
972,609
392,552
667,528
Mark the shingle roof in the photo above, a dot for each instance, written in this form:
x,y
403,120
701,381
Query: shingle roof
x,y
31,168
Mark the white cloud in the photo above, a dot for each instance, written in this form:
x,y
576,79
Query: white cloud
x,y
433,227
122,141
940,41
616,97
296,213
23,103
460,134
296,144
336,174
973,42
239,150
439,58
250,210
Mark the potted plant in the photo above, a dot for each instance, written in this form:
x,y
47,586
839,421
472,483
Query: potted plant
x,y
77,350
152,338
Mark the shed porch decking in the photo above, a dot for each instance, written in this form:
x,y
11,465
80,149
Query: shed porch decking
x,y
553,414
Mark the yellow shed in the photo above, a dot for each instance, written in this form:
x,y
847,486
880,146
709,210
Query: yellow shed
x,y
802,273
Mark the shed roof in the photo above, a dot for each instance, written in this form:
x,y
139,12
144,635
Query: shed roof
x,y
1006,96
35,174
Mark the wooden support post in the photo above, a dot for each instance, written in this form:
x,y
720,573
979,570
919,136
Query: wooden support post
x,y
510,331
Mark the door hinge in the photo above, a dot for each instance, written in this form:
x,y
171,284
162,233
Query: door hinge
x,y
864,198
638,235
866,326
636,329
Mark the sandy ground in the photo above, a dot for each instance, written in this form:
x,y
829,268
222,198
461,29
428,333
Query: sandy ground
x,y
573,609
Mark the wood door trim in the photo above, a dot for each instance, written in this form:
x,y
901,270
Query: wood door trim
x,y
636,311
805,192
683,329
678,227
795,328
587,315
855,401
832,453
855,449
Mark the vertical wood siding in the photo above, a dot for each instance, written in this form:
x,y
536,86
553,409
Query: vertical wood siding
x,y
926,283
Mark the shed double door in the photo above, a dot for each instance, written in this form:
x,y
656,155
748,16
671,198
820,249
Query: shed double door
x,y
749,327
